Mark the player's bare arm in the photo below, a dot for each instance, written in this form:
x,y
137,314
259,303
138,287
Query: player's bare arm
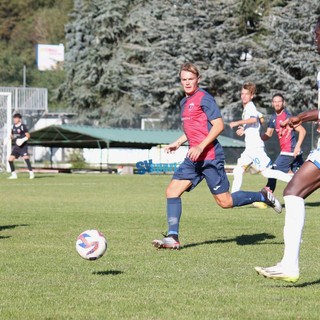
x,y
217,128
301,135
268,134
176,144
242,122
305,116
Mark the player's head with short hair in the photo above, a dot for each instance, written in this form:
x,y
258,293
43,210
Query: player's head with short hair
x,y
17,115
17,118
190,77
278,102
278,95
247,92
251,87
190,67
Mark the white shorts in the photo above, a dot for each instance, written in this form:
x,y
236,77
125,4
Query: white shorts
x,y
314,157
254,160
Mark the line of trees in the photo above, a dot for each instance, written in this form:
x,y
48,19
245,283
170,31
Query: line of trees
x,y
123,57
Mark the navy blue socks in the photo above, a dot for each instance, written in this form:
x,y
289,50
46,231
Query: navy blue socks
x,y
241,198
174,209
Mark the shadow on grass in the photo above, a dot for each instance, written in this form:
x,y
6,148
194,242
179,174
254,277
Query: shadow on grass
x,y
313,204
287,285
44,176
243,240
11,226
108,272
305,284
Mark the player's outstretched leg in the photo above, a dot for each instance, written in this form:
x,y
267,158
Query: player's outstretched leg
x,y
28,163
237,178
304,182
276,174
241,198
12,168
171,241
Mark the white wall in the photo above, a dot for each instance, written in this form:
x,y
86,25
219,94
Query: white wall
x,y
132,156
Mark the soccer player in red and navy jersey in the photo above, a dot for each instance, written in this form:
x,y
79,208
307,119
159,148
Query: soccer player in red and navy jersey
x,y
290,157
202,124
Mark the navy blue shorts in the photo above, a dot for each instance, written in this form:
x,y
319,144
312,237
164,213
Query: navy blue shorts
x,y
211,170
18,152
285,163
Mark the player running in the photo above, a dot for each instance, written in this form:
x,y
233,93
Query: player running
x,y
254,157
304,182
290,157
19,137
202,124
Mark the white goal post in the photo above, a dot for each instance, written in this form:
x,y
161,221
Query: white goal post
x,y
5,128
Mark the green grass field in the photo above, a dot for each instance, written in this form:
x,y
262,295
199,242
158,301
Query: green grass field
x,y
212,277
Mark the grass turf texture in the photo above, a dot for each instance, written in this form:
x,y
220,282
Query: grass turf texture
x,y
212,277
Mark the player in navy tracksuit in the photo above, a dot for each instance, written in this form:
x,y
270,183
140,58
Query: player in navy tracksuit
x,y
19,137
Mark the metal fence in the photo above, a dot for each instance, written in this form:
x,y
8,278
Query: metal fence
x,y
32,103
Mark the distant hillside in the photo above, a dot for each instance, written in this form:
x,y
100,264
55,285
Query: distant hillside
x,y
23,24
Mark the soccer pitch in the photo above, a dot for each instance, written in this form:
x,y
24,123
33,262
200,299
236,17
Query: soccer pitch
x,y
212,277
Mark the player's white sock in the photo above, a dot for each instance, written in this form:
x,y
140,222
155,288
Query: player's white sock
x,y
292,232
237,179
276,174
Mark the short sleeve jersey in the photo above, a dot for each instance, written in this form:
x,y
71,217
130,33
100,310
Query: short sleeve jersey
x,y
252,131
287,141
18,132
197,111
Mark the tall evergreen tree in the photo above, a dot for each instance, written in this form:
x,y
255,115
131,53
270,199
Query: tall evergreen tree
x,y
123,56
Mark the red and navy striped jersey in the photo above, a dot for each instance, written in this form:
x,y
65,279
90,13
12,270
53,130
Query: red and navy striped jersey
x,y
287,142
197,111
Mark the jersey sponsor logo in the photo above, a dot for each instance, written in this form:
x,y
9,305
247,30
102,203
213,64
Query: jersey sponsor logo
x,y
191,106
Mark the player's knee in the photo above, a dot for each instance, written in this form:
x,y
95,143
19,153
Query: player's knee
x,y
225,203
289,190
171,192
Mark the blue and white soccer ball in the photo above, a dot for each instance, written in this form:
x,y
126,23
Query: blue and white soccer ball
x,y
91,245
